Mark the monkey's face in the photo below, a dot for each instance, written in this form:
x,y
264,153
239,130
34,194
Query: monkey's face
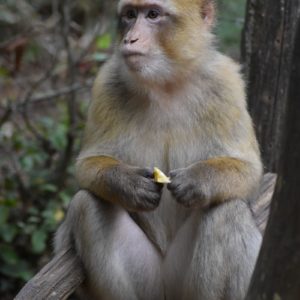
x,y
159,39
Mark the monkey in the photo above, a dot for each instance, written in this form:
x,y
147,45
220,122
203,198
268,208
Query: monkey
x,y
166,98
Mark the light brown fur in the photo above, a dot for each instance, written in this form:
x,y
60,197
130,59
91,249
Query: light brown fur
x,y
180,107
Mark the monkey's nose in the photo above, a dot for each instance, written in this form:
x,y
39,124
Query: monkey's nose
x,y
130,41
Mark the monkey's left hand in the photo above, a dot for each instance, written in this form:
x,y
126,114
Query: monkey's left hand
x,y
190,187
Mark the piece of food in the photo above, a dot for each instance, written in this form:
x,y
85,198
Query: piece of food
x,y
160,177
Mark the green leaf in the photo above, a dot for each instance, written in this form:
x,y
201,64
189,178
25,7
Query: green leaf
x,y
4,213
4,72
34,219
27,162
10,202
8,232
38,241
25,274
33,211
49,188
100,57
21,270
104,41
29,228
8,254
65,197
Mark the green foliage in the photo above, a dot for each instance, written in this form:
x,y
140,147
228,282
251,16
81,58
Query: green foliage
x,y
32,205
230,23
103,44
104,41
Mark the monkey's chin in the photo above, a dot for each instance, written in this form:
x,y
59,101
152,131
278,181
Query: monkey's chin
x,y
135,63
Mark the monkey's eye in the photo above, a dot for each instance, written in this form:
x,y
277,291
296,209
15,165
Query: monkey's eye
x,y
153,14
130,14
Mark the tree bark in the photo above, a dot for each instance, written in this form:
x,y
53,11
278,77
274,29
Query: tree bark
x,y
277,273
56,281
268,43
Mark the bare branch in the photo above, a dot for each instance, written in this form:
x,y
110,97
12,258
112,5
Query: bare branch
x,y
67,154
60,92
57,280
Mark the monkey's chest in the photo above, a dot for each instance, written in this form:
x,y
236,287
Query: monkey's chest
x,y
168,148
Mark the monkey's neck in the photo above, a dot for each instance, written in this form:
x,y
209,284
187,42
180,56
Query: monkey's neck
x,y
181,77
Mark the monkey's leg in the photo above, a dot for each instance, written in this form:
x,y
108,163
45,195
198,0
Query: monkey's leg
x,y
219,256
120,262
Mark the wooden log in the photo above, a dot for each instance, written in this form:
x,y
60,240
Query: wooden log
x,y
57,280
64,273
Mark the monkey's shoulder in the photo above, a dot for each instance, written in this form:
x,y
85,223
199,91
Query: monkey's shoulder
x,y
227,66
107,83
223,78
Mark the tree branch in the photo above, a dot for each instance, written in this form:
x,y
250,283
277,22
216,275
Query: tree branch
x,y
57,280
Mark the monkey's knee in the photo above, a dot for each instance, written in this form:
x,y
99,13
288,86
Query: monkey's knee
x,y
225,253
243,241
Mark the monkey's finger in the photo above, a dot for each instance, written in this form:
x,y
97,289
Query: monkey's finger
x,y
181,191
175,183
159,186
145,172
175,173
150,185
153,198
187,199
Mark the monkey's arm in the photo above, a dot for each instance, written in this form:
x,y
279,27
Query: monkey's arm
x,y
214,181
111,180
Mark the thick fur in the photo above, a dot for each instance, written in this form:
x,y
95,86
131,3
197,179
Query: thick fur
x,y
181,109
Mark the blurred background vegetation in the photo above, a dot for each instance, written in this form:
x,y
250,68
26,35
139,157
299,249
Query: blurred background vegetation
x,y
50,52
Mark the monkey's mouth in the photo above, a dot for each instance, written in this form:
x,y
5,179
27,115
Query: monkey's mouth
x,y
127,54
134,60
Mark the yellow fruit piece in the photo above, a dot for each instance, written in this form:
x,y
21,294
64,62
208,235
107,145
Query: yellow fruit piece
x,y
160,177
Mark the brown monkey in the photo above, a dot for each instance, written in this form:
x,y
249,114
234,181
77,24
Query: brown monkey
x,y
166,98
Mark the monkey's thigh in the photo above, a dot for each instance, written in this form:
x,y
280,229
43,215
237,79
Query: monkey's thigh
x,y
214,254
121,263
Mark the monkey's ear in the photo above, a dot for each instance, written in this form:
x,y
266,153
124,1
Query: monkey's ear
x,y
208,12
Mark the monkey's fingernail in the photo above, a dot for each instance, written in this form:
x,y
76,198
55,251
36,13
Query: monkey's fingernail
x,y
147,173
172,174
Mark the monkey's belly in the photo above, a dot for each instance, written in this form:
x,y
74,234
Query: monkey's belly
x,y
162,224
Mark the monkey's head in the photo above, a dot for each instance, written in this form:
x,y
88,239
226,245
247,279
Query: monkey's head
x,y
163,39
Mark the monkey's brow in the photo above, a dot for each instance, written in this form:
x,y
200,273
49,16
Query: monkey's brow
x,y
142,5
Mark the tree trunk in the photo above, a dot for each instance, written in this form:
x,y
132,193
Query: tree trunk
x,y
268,43
272,52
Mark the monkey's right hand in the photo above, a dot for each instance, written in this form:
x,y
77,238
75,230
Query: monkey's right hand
x,y
132,187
